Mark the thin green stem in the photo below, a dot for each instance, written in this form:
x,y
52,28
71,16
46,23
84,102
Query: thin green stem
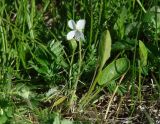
x,y
133,100
73,9
91,96
139,83
156,32
99,20
91,24
140,4
73,93
70,71
92,87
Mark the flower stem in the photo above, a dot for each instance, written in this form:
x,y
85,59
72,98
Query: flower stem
x,y
70,70
91,24
92,87
74,88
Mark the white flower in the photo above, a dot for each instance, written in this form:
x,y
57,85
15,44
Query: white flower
x,y
76,30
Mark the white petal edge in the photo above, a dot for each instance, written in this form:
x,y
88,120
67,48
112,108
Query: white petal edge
x,y
79,36
80,24
70,35
72,24
82,36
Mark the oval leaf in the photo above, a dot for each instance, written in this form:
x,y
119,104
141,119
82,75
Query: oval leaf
x,y
114,70
143,53
59,101
104,48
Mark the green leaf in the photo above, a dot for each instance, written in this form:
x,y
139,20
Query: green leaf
x,y
127,44
114,70
65,121
57,50
59,101
104,48
119,26
56,119
155,11
22,51
43,68
3,119
143,53
112,86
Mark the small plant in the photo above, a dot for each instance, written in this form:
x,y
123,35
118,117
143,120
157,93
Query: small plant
x,y
99,69
77,35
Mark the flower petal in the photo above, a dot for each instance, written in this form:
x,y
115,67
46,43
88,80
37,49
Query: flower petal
x,y
82,36
70,35
79,36
80,24
72,24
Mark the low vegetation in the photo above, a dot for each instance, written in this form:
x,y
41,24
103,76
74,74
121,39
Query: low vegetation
x,y
79,61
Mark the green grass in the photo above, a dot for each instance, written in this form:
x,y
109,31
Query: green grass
x,y
112,76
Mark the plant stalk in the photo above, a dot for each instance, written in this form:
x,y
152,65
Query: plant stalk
x,y
74,88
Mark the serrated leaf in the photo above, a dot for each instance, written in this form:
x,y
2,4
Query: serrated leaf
x,y
42,70
143,53
114,70
57,50
104,48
